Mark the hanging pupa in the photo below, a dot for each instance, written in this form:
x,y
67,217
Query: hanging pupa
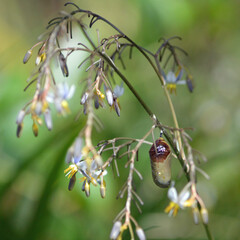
x,y
160,155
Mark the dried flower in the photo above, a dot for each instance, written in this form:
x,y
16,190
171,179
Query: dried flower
x,y
63,64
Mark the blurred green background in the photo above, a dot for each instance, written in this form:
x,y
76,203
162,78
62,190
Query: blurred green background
x,y
34,200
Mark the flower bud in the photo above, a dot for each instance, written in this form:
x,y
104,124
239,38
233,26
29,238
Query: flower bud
x,y
96,102
109,96
87,189
115,230
103,189
38,108
27,56
48,119
204,214
38,60
84,98
195,215
140,233
20,117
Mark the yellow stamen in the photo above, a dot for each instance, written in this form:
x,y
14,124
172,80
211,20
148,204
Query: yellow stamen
x,y
190,202
172,207
82,179
44,106
64,104
43,57
172,87
175,210
71,170
100,94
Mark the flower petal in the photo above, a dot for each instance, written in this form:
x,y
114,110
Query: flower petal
x,y
172,194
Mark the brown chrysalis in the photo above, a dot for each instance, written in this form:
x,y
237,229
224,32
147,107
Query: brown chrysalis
x,y
160,155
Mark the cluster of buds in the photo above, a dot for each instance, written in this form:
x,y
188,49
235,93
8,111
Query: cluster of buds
x,y
185,200
60,96
81,161
112,97
40,106
36,109
118,229
41,57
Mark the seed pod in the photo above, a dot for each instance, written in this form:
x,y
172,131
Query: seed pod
x,y
19,130
72,182
63,64
96,102
161,163
190,84
35,129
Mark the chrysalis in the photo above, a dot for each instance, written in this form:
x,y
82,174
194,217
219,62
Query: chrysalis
x,y
160,155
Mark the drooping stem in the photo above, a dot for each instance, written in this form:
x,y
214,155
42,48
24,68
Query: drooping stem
x,y
156,69
177,149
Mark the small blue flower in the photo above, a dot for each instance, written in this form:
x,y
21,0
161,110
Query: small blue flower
x,y
173,79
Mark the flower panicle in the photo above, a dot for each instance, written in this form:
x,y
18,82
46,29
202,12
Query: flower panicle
x,y
81,160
